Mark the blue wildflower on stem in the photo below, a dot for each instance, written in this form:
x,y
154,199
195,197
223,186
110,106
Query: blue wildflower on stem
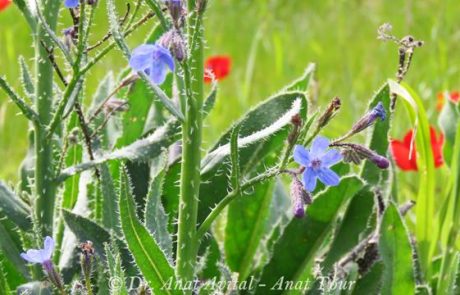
x,y
43,256
317,161
154,60
71,3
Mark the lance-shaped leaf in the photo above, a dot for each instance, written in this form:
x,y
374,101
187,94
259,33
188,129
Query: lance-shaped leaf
x,y
210,101
396,252
149,257
14,208
156,220
26,79
306,235
4,287
303,83
140,150
245,227
13,261
26,110
116,272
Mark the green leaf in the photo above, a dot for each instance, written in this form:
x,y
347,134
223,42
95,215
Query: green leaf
x,y
210,101
4,287
350,229
14,208
371,282
448,121
12,254
110,218
303,83
156,220
26,79
396,252
117,275
262,134
378,138
245,227
116,30
235,158
148,256
306,235
26,110
140,150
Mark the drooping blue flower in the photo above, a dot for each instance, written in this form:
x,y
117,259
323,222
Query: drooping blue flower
x,y
154,60
41,256
71,3
317,161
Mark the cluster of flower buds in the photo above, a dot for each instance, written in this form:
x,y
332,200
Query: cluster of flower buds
x,y
369,119
300,197
355,153
175,42
177,11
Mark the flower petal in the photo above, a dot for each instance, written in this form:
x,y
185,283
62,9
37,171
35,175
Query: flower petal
x,y
48,248
33,256
331,157
400,151
158,72
164,56
301,155
71,3
319,146
309,179
142,56
328,177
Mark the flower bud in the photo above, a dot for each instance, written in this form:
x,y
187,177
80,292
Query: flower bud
x,y
70,37
369,118
91,2
380,161
300,198
356,153
86,258
330,112
115,105
174,41
175,10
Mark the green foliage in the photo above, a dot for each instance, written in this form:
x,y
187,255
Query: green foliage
x,y
14,208
396,251
149,257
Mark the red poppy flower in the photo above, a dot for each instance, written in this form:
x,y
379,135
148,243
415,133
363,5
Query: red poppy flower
x,y
454,96
406,161
217,67
4,4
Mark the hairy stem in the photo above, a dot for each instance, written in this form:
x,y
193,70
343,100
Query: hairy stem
x,y
191,157
44,186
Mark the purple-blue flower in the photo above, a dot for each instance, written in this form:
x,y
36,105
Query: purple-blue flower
x,y
317,161
41,256
369,118
71,3
154,60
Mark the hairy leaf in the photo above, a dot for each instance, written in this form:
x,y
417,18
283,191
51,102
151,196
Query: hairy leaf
x,y
14,208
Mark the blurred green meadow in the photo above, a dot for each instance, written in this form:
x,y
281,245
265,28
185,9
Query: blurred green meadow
x,y
270,43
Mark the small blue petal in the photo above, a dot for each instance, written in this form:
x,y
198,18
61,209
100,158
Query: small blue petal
x,y
33,256
301,155
158,72
330,158
379,111
48,248
71,3
165,57
309,179
328,177
319,147
141,57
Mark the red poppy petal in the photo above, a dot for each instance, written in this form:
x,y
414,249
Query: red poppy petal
x,y
4,4
436,147
400,152
455,96
219,66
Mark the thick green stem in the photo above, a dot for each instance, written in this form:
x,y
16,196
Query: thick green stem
x,y
191,158
44,186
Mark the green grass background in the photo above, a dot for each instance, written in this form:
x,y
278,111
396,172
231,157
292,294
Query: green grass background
x,y
271,42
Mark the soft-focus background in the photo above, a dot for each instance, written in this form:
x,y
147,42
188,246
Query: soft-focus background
x,y
270,43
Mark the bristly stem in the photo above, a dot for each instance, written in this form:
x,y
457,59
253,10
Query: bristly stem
x,y
44,186
191,155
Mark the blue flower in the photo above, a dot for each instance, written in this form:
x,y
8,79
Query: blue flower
x,y
378,112
41,256
71,3
317,161
154,60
